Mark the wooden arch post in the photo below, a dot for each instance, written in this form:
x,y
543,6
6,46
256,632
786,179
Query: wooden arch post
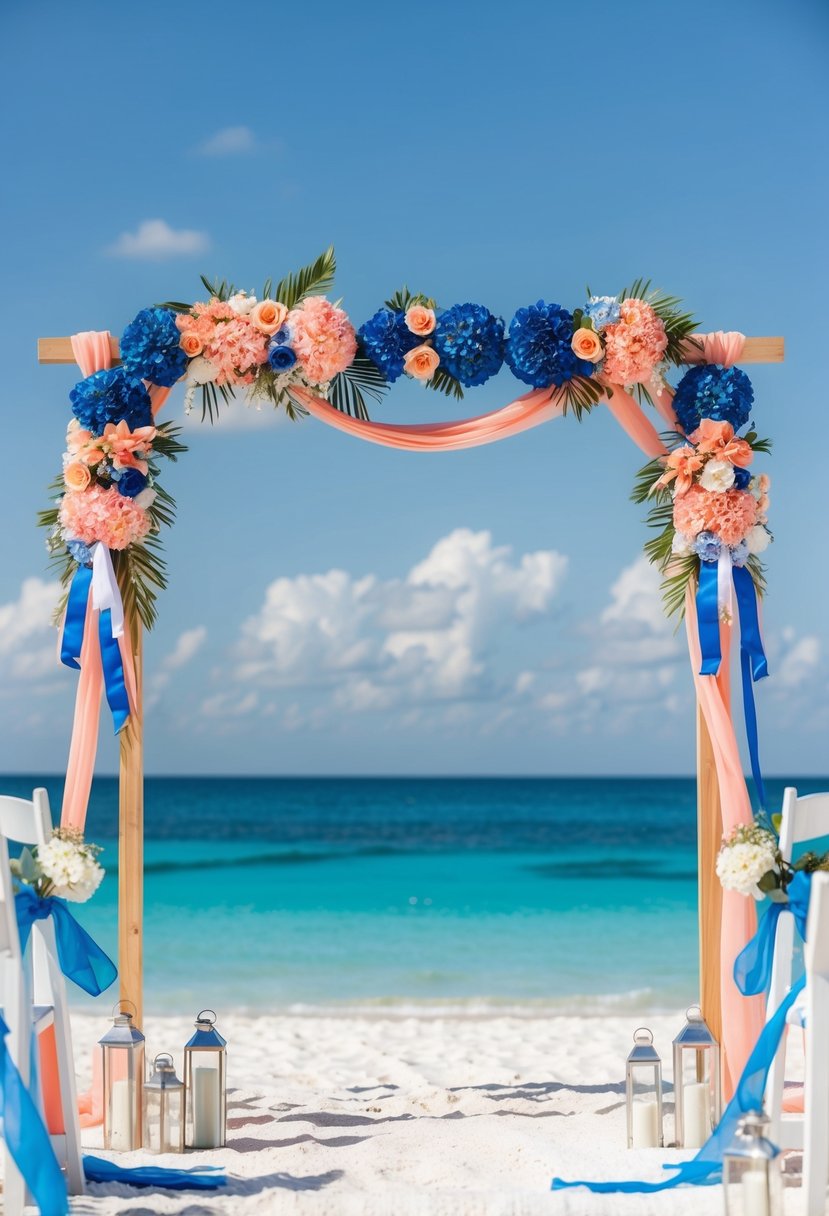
x,y
131,794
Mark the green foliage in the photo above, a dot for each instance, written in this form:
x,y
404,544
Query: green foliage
x,y
645,480
403,300
762,446
441,382
681,572
313,280
210,394
174,305
350,388
580,394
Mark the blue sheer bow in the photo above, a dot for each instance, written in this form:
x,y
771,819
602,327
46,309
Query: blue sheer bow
x,y
202,1178
81,958
706,1166
27,1138
752,966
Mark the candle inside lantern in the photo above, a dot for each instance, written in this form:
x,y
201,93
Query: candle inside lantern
x,y
696,1119
755,1193
206,1108
121,1134
645,1127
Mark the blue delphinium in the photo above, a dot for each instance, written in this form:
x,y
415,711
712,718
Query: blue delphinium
x,y
131,483
707,546
110,396
742,478
538,346
739,553
150,348
710,391
281,358
603,310
470,342
80,552
387,339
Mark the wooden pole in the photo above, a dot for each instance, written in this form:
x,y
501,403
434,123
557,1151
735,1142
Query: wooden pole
x,y
131,841
709,839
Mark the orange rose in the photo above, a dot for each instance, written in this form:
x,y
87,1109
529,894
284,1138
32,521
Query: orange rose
x,y
421,362
191,344
268,316
587,345
421,321
76,476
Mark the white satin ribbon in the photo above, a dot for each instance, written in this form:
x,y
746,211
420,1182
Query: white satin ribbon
x,y
105,590
725,585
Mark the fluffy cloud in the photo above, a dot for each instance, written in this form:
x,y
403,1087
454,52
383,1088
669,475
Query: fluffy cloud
x,y
430,637
155,240
229,141
186,648
27,635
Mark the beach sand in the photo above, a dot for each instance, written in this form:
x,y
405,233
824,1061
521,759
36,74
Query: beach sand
x,y
391,1115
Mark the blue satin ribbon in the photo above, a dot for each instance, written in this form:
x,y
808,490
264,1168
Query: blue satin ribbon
x,y
753,664
203,1178
27,1139
81,958
706,1167
75,619
708,618
111,661
752,966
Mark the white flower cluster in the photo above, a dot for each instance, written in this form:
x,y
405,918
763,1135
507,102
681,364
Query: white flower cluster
x,y
70,866
745,858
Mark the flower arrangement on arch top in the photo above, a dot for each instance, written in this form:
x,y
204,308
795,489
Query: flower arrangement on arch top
x,y
724,394
386,339
539,349
111,396
470,342
151,350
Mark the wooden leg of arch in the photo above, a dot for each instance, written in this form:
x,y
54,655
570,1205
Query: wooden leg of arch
x,y
131,844
709,839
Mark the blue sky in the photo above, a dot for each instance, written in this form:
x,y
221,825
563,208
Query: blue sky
x,y
335,607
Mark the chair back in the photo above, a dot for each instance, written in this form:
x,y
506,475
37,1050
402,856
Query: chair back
x,y
28,822
804,818
816,949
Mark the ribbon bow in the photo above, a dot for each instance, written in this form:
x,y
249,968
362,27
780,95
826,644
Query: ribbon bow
x,y
81,958
100,580
752,966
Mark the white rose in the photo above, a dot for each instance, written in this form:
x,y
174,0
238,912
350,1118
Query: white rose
x,y
718,476
146,498
741,866
201,371
681,545
242,303
758,539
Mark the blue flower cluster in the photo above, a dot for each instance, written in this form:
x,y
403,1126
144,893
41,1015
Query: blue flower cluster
x,y
742,478
539,350
110,396
710,391
708,547
470,342
387,339
150,348
131,482
603,310
80,552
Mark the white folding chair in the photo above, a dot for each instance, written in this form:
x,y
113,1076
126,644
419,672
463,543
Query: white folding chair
x,y
803,819
30,823
816,1088
16,1009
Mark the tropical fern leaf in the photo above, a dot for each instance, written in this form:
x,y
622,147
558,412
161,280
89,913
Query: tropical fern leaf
x,y
350,388
312,280
441,382
403,300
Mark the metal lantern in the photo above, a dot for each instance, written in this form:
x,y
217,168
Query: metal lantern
x,y
752,1181
205,1058
696,1081
643,1089
123,1080
164,1108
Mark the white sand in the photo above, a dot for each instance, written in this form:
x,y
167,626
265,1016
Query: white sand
x,y
448,1116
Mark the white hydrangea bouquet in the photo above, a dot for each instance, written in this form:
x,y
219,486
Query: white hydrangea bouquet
x,y
66,867
750,862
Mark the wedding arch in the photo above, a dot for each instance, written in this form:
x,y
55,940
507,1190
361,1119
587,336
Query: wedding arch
x,y
292,348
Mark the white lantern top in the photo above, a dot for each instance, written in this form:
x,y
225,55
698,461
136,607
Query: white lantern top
x,y
207,1036
164,1075
122,1033
695,1033
643,1050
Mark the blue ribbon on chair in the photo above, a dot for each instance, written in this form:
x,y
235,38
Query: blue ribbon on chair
x,y
708,618
27,1138
203,1178
81,958
752,966
706,1166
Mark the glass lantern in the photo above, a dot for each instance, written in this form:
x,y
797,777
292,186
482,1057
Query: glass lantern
x,y
752,1181
205,1057
696,1081
123,1081
643,1090
164,1108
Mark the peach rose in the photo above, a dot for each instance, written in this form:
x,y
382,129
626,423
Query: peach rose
x,y
421,362
76,476
268,316
421,321
191,344
587,345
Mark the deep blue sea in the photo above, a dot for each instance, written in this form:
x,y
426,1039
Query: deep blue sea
x,y
280,893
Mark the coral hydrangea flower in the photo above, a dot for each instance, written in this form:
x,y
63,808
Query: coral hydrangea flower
x,y
103,515
730,515
634,345
323,338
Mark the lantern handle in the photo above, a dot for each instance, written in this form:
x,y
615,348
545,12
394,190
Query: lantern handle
x,y
118,1004
642,1030
163,1055
212,1021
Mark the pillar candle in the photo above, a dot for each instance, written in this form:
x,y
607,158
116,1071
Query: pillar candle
x,y
755,1194
121,1130
206,1133
645,1124
696,1117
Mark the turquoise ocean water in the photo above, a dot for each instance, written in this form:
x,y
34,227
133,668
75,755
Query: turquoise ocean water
x,y
278,893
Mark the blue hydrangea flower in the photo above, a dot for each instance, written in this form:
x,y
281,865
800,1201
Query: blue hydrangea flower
x,y
281,358
80,552
603,310
739,553
387,339
742,478
131,483
150,348
110,396
470,342
538,346
707,546
710,391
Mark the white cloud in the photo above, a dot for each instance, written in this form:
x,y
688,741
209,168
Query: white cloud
x,y
187,646
378,643
29,616
229,141
155,240
799,661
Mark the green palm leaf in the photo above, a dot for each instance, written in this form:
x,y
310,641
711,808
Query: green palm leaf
x,y
313,280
